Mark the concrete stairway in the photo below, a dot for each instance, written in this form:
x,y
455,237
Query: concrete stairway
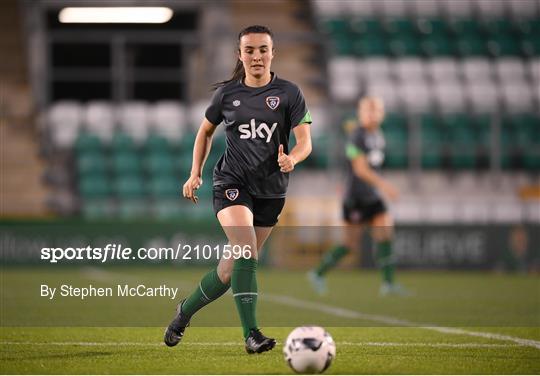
x,y
22,193
292,33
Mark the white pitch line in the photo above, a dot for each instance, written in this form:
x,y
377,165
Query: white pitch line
x,y
351,314
347,313
359,344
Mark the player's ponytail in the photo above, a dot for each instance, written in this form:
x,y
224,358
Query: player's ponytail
x,y
239,72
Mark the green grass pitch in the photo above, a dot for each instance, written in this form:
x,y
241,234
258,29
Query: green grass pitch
x,y
480,323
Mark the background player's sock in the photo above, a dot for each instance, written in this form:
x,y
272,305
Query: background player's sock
x,y
210,288
244,288
385,262
330,259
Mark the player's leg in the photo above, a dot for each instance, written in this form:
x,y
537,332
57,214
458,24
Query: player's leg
x,y
217,281
382,231
352,231
265,216
237,223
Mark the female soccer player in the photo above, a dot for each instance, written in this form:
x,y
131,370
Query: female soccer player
x,y
363,202
258,111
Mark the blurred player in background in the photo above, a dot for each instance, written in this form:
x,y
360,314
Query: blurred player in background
x,y
258,111
363,203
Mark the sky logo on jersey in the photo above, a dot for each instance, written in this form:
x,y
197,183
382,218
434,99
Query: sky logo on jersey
x,y
232,194
272,102
261,131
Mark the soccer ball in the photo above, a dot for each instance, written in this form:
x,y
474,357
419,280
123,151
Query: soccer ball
x,y
309,349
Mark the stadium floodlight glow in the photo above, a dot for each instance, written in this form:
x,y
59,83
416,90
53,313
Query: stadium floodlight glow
x,y
115,15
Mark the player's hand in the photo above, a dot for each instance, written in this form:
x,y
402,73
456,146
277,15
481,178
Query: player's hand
x,y
390,192
286,162
192,184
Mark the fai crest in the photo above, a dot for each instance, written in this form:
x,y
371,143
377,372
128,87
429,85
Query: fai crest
x,y
231,194
272,102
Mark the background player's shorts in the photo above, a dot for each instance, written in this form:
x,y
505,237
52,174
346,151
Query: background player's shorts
x,y
265,210
358,212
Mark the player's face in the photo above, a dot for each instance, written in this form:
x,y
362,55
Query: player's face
x,y
256,54
371,113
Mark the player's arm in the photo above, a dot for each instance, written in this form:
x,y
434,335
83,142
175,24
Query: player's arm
x,y
299,152
362,169
201,149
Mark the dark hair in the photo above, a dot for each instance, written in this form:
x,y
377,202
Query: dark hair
x,y
238,72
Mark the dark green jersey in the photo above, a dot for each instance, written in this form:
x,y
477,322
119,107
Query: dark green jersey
x,y
370,144
256,121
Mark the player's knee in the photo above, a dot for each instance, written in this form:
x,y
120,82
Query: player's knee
x,y
225,276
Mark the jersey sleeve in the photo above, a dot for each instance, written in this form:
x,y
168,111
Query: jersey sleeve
x,y
214,113
356,145
298,110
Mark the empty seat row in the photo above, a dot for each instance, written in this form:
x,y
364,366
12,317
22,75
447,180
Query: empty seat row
x,y
460,140
439,69
66,119
459,28
449,8
418,96
435,45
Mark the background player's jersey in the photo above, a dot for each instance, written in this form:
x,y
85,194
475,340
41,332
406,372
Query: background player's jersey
x,y
370,144
256,121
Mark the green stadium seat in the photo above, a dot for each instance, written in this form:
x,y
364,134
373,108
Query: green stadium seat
x,y
370,47
335,26
88,143
472,46
532,159
91,163
393,120
504,45
156,143
367,28
160,164
400,27
342,46
499,26
187,142
465,28
463,145
523,130
165,186
530,46
396,147
122,142
183,159
125,163
94,186
132,209
482,125
529,27
405,45
205,191
129,186
438,45
319,157
432,138
433,27
98,209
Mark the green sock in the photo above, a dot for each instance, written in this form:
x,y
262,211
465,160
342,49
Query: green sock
x,y
244,288
330,259
210,288
384,260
